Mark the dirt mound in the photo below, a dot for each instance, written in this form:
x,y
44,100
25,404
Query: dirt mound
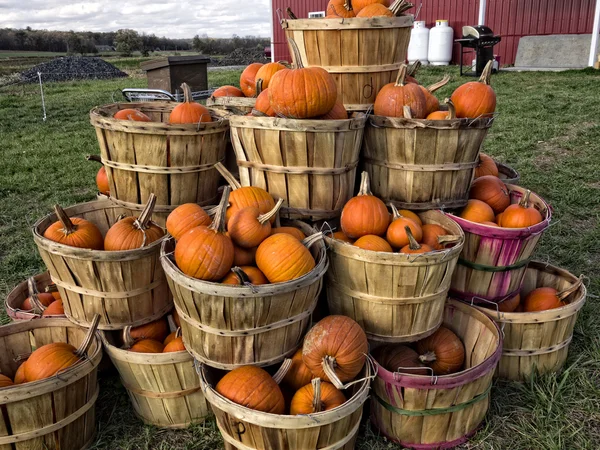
x,y
73,68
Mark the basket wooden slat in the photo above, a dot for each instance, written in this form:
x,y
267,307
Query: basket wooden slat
x,y
362,54
507,174
57,413
164,388
235,105
20,292
394,297
173,161
230,326
247,429
422,164
493,261
311,164
124,287
538,340
432,412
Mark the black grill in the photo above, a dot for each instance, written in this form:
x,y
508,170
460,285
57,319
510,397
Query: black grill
x,y
482,39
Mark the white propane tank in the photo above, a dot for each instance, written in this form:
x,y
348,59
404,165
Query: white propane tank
x,y
441,40
418,47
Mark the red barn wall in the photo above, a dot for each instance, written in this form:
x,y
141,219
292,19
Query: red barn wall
x,y
511,19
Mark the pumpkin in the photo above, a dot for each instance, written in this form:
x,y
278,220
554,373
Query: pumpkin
x,y
43,298
243,256
365,213
443,351
132,233
248,79
338,112
337,342
56,308
476,98
491,224
444,115
316,397
509,305
289,230
132,114
431,101
189,111
375,10
5,381
542,299
413,246
241,197
240,276
396,233
262,107
206,253
53,290
248,227
185,217
282,257
337,9
431,233
102,181
147,346
252,387
227,91
410,215
341,236
170,337
176,344
266,72
302,93
373,243
477,211
486,166
157,330
521,215
491,190
75,232
50,359
20,374
298,375
358,5
400,358
393,97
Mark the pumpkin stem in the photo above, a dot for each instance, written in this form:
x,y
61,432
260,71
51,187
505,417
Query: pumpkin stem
x,y
524,203
143,221
263,218
365,184
562,295
218,223
231,181
68,226
309,241
259,87
283,370
187,93
411,70
412,242
449,239
400,79
290,13
348,5
329,364
33,295
451,109
89,337
96,158
428,357
486,75
51,288
242,276
443,82
296,54
317,403
395,213
399,6
178,332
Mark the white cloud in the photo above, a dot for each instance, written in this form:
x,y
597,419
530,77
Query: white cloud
x,y
174,19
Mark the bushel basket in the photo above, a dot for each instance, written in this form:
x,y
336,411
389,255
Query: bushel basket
x,y
14,301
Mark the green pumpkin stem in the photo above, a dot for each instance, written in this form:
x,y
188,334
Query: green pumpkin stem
x,y
143,220
317,403
401,78
428,357
263,218
218,223
443,82
296,54
365,184
412,242
231,181
187,93
283,370
486,75
68,226
89,337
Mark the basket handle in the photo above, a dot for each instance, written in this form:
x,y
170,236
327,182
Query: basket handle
x,y
283,370
33,295
87,341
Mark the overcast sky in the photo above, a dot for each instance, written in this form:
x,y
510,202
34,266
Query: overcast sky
x,y
170,18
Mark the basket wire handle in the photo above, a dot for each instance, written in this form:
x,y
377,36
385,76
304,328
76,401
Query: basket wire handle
x,y
398,374
283,370
33,295
87,341
498,312
328,365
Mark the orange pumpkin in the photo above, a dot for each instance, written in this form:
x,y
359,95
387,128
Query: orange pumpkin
x,y
5,381
189,111
338,341
252,387
491,190
289,230
20,374
339,9
185,217
338,112
375,10
170,337
341,236
102,181
55,308
373,243
491,224
413,246
282,258
176,345
410,215
400,358
50,359
262,107
147,346
365,213
396,233
477,211
298,374
74,232
476,98
443,351
431,101
132,114
509,305
53,290
316,397
248,79
227,91
243,256
266,72
393,97
239,276
206,253
132,233
157,330
431,233
542,299
248,227
43,298
358,5
444,115
521,215
486,166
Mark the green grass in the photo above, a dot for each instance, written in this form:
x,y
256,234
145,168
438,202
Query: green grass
x,y
547,128
22,54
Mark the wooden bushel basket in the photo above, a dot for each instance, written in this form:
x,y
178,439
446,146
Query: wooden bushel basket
x,y
493,261
247,429
311,164
507,174
173,161
423,164
394,297
433,412
124,287
235,105
57,413
539,340
228,326
20,292
164,388
362,54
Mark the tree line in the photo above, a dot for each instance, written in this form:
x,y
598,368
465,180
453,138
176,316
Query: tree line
x,y
124,41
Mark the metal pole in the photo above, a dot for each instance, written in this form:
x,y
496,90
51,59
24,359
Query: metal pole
x,y
272,32
482,5
42,92
595,31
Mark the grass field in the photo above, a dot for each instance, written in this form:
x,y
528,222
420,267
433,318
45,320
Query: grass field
x,y
548,128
